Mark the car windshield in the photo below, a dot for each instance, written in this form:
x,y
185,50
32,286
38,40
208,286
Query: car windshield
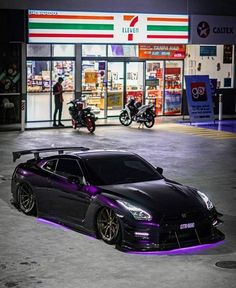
x,y
119,169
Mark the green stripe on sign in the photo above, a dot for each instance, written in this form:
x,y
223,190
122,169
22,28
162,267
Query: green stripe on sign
x,y
71,26
166,28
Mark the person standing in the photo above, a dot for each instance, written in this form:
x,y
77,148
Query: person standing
x,y
58,98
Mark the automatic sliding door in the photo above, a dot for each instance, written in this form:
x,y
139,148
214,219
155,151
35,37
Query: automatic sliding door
x,y
66,70
134,81
94,86
115,77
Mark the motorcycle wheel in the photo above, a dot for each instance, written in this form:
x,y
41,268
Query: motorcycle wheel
x,y
90,124
150,121
74,124
124,119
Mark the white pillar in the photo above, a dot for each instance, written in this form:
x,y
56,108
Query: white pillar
x,y
220,106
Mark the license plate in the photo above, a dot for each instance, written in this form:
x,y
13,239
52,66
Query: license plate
x,y
187,226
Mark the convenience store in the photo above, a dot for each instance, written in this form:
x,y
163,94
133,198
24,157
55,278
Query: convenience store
x,y
109,57
106,75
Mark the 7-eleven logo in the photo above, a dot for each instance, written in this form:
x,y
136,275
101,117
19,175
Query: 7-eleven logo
x,y
131,30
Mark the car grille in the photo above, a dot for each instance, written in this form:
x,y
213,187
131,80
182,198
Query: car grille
x,y
171,234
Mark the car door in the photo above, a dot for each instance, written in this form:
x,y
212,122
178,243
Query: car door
x,y
45,194
71,202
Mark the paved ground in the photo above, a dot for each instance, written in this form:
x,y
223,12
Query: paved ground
x,y
36,254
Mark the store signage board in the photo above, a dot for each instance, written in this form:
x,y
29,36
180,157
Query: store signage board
x,y
162,51
208,29
199,98
97,27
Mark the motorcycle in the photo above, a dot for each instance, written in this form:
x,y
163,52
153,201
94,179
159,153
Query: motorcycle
x,y
81,117
134,111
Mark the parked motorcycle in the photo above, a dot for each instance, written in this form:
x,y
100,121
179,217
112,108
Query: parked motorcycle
x,y
81,117
134,111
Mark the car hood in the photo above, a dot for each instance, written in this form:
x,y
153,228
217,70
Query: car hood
x,y
157,195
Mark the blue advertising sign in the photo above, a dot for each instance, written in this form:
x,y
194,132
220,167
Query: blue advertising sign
x,y
199,98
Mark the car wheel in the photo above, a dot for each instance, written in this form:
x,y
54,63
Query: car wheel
x,y
124,119
26,199
108,226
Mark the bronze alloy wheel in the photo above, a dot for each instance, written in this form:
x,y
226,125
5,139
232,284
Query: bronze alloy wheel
x,y
26,199
108,225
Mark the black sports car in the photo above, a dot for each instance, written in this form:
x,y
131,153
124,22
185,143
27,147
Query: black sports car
x,y
114,195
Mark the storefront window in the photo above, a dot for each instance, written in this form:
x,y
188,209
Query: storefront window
x,y
63,50
115,88
93,85
66,70
93,50
10,82
154,84
38,90
38,50
41,76
134,81
123,50
173,87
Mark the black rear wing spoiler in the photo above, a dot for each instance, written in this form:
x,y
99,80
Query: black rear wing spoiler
x,y
36,152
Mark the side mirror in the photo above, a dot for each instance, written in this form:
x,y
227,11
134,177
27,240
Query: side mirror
x,y
75,180
159,170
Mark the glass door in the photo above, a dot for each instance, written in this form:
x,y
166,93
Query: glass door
x,y
173,87
66,70
115,80
94,89
134,81
154,84
38,90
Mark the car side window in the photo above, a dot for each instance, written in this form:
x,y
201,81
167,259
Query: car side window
x,y
50,165
68,167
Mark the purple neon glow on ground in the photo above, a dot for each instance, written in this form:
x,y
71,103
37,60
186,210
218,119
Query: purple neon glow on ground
x,y
224,125
52,224
179,251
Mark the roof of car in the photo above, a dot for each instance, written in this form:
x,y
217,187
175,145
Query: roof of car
x,y
99,153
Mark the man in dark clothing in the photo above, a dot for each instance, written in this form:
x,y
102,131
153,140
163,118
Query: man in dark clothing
x,y
58,97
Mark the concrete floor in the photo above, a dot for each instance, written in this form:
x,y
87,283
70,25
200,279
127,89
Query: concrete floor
x,y
36,254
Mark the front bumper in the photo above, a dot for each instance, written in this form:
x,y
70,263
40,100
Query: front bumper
x,y
146,236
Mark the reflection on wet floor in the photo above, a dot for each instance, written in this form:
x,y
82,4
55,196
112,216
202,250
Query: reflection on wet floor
x,y
224,125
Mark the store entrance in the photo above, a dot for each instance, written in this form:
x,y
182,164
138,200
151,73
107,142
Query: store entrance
x,y
107,85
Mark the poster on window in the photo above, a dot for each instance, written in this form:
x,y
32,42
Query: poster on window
x,y
199,98
10,68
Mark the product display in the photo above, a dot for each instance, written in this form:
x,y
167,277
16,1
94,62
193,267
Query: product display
x,y
173,89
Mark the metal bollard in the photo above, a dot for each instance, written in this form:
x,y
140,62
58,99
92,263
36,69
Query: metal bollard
x,y
22,115
220,106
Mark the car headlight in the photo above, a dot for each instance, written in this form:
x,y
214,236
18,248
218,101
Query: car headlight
x,y
138,213
207,201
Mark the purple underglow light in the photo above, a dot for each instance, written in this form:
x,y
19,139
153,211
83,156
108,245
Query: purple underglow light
x,y
179,251
52,224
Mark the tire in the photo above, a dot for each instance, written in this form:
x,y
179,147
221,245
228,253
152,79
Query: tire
x,y
124,119
74,123
90,124
150,121
26,199
108,226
